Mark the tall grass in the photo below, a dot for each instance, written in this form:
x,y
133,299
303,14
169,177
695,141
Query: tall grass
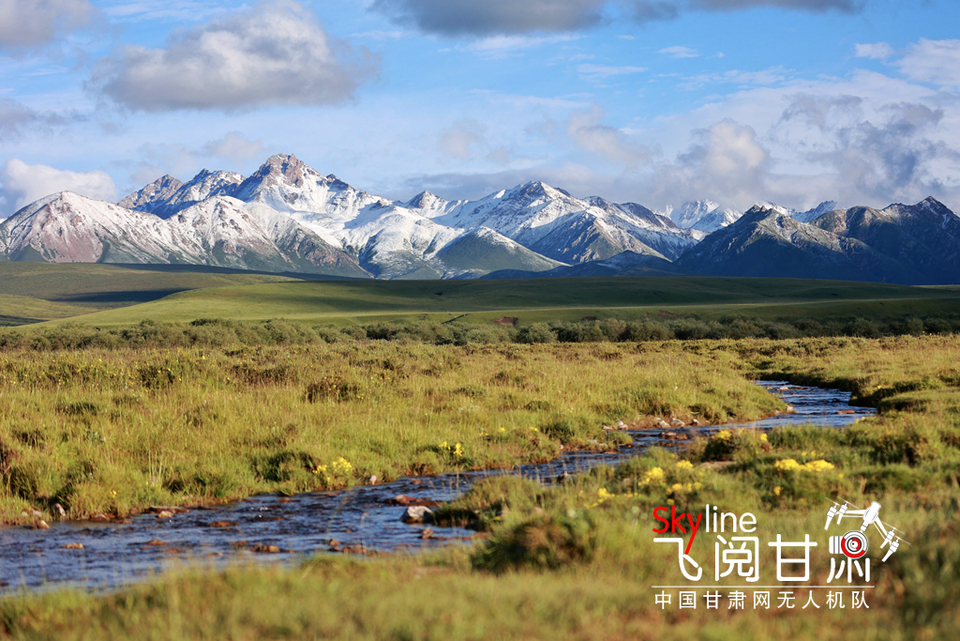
x,y
114,431
576,560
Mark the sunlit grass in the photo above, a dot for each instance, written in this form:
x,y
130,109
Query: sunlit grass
x,y
573,561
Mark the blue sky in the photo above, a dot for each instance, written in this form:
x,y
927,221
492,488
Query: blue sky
x,y
651,101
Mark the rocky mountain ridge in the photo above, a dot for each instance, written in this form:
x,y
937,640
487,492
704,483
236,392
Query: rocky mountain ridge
x,y
287,216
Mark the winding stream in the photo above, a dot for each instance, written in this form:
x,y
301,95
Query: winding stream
x,y
114,554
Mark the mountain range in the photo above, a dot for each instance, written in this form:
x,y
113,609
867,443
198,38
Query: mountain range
x,y
288,217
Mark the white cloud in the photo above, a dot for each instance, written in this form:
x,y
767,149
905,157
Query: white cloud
x,y
182,10
274,53
866,139
503,46
772,76
680,52
23,183
234,146
875,51
599,73
725,163
933,61
462,140
587,130
27,24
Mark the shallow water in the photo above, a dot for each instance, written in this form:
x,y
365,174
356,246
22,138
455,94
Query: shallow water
x,y
114,554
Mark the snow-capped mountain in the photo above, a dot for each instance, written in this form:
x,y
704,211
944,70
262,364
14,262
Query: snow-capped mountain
x,y
219,231
287,216
703,215
559,226
167,195
537,226
812,214
910,244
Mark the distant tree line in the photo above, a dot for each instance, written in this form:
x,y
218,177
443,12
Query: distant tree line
x,y
224,333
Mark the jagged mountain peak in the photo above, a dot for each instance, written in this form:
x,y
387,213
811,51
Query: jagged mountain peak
x,y
160,189
812,214
769,206
703,215
537,189
425,200
285,168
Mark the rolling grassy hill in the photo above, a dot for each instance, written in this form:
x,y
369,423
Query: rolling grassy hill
x,y
33,292
471,301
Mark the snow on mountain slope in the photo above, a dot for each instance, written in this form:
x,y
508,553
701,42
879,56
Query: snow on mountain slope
x,y
220,231
166,196
812,214
767,241
287,184
236,234
400,239
552,222
66,227
703,215
154,195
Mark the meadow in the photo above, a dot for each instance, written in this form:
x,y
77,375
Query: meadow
x,y
574,561
116,296
106,415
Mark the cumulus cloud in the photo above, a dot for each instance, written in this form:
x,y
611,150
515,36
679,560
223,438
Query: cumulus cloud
x,y
274,53
22,184
725,163
455,18
14,117
644,11
28,24
888,153
933,61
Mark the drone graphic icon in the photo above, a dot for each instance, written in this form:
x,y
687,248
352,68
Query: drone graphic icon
x,y
854,543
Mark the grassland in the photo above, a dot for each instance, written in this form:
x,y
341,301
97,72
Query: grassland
x,y
116,295
32,292
369,378
102,431
576,561
479,302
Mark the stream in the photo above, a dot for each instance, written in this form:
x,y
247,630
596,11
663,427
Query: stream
x,y
114,554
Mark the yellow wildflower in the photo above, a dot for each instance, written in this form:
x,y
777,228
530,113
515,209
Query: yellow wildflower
x,y
818,466
342,466
655,476
787,464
